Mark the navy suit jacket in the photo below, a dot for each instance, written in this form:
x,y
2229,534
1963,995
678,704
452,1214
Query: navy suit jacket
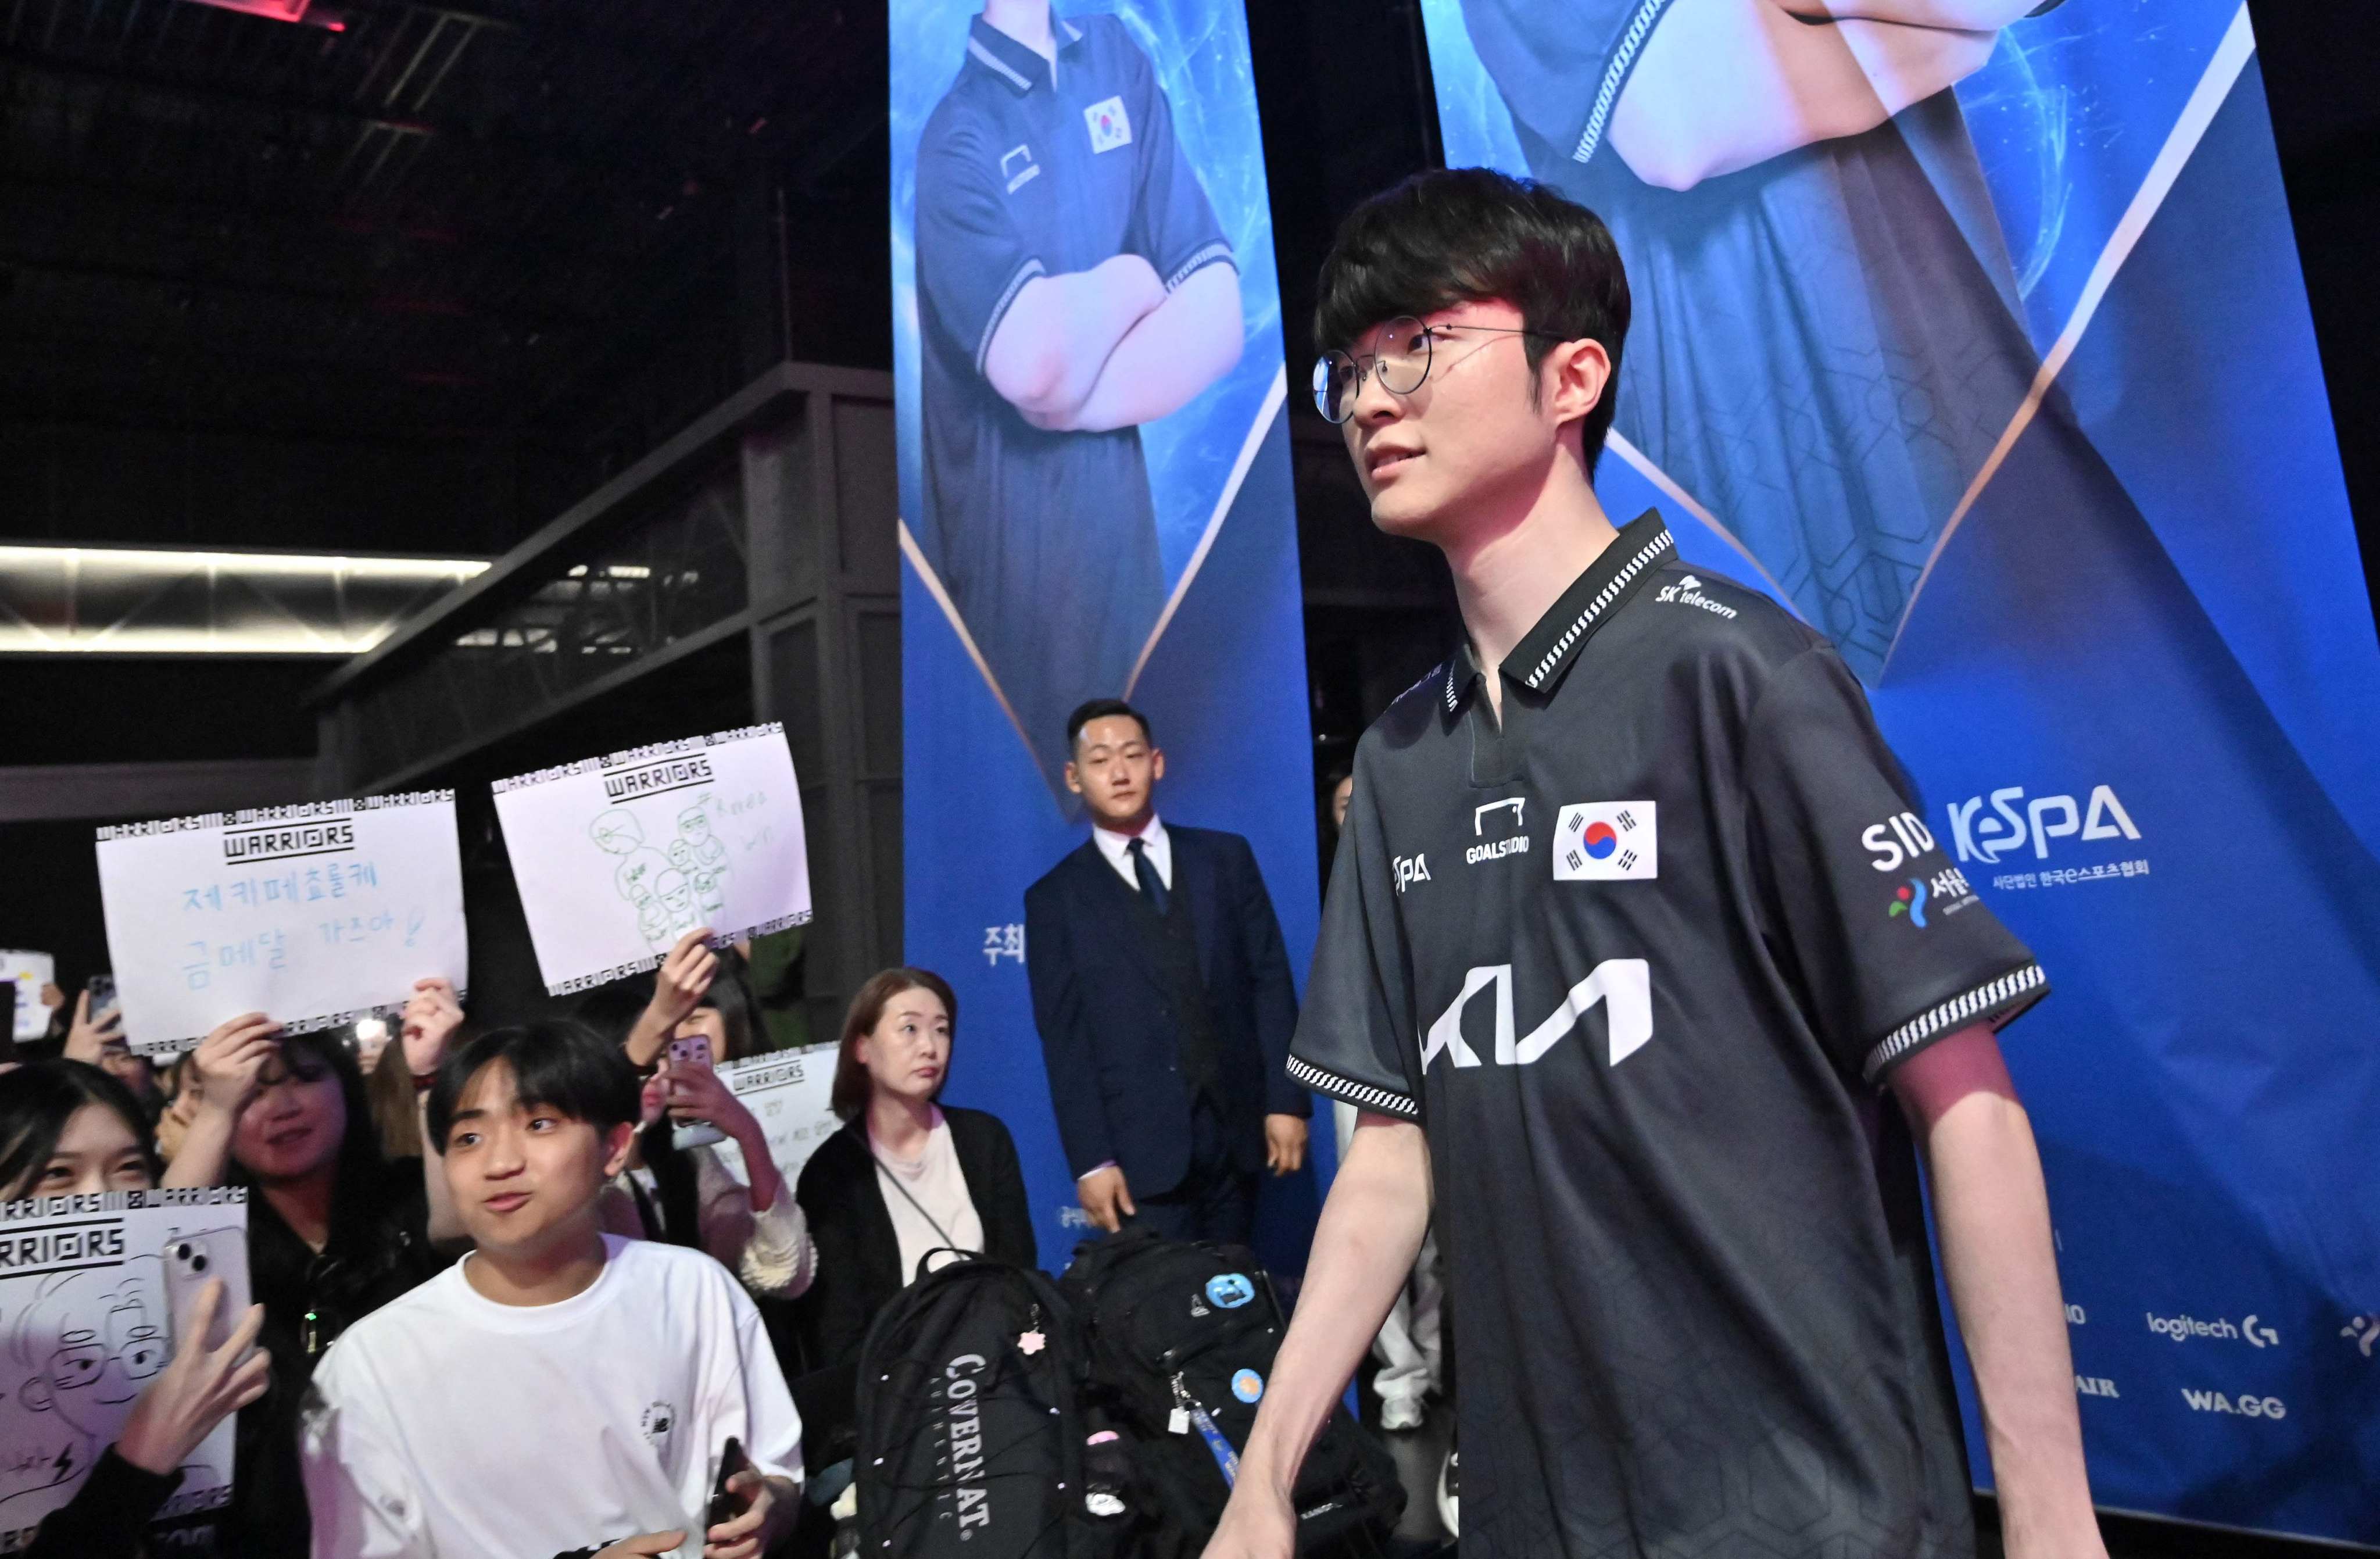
x,y
1113,1048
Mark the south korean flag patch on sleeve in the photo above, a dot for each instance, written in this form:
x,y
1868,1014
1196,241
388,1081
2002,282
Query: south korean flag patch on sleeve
x,y
1606,841
1110,126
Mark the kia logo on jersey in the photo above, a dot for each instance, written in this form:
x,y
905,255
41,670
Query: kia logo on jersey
x,y
1606,841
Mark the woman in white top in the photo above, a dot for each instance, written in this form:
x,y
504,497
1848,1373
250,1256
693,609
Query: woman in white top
x,y
906,1174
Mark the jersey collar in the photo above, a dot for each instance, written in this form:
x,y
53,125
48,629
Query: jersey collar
x,y
1012,61
1545,652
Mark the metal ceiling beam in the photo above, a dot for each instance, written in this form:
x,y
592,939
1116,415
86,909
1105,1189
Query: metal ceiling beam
x,y
347,300
209,93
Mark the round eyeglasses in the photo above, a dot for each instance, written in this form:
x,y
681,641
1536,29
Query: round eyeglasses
x,y
1403,362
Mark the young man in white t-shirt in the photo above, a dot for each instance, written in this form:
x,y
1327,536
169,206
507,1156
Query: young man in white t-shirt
x,y
560,1391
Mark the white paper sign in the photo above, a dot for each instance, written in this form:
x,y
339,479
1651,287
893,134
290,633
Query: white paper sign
x,y
91,1298
788,1093
315,914
28,972
617,857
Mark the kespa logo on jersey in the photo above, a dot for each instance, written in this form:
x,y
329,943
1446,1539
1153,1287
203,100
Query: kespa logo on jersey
x,y
2042,819
2182,1328
1410,870
2096,1385
2241,1406
1688,591
1606,841
1947,890
2363,1331
1903,837
1624,985
1110,125
1494,818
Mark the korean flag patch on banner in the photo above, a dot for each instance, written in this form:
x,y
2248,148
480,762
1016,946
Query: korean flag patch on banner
x,y
1110,125
1606,841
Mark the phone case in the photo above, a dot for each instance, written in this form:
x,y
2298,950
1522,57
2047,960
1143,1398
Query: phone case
x,y
190,1261
694,1051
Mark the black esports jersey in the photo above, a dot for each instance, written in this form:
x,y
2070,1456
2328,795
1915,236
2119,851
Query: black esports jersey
x,y
1634,961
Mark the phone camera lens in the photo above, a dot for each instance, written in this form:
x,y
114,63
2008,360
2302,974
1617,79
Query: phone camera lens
x,y
198,1264
181,1253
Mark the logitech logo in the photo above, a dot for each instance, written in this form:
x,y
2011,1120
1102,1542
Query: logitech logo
x,y
2182,1328
1988,837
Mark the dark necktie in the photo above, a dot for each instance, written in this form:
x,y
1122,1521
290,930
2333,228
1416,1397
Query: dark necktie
x,y
1145,869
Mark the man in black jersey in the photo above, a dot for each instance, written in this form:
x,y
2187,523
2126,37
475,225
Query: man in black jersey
x,y
1640,962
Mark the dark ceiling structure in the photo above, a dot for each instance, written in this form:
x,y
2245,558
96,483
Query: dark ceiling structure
x,y
483,253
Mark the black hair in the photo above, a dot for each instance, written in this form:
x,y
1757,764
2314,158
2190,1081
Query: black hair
x,y
730,996
1104,709
1466,235
357,1188
561,1064
37,1099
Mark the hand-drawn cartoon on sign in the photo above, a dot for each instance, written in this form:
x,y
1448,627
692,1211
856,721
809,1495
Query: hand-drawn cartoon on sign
x,y
617,857
87,1309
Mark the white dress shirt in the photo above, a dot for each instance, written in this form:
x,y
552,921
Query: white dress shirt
x,y
1117,847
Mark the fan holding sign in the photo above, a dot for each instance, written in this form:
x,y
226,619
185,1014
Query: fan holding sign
x,y
618,857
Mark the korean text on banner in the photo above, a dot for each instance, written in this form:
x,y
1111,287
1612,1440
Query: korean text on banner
x,y
28,972
93,1303
315,914
788,1093
617,857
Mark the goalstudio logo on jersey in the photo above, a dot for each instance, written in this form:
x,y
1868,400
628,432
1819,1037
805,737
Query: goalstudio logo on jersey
x,y
1606,841
1517,844
1018,168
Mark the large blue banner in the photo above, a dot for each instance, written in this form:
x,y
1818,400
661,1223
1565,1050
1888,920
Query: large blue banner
x,y
2015,394
1095,490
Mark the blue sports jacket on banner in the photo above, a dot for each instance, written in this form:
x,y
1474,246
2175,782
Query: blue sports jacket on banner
x,y
1095,490
2015,394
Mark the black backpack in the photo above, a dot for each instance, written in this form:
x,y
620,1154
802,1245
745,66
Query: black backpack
x,y
971,1429
1180,1340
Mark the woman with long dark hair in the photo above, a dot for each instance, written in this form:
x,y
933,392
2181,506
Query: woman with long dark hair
x,y
68,1128
335,1229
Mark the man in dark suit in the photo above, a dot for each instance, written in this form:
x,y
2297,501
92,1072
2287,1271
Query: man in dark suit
x,y
1164,1002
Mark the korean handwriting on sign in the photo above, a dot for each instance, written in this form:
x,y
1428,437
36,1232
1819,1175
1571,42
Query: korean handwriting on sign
x,y
358,928
1004,942
308,885
267,949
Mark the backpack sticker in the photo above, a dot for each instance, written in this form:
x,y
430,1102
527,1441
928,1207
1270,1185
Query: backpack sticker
x,y
1229,1291
1247,1386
